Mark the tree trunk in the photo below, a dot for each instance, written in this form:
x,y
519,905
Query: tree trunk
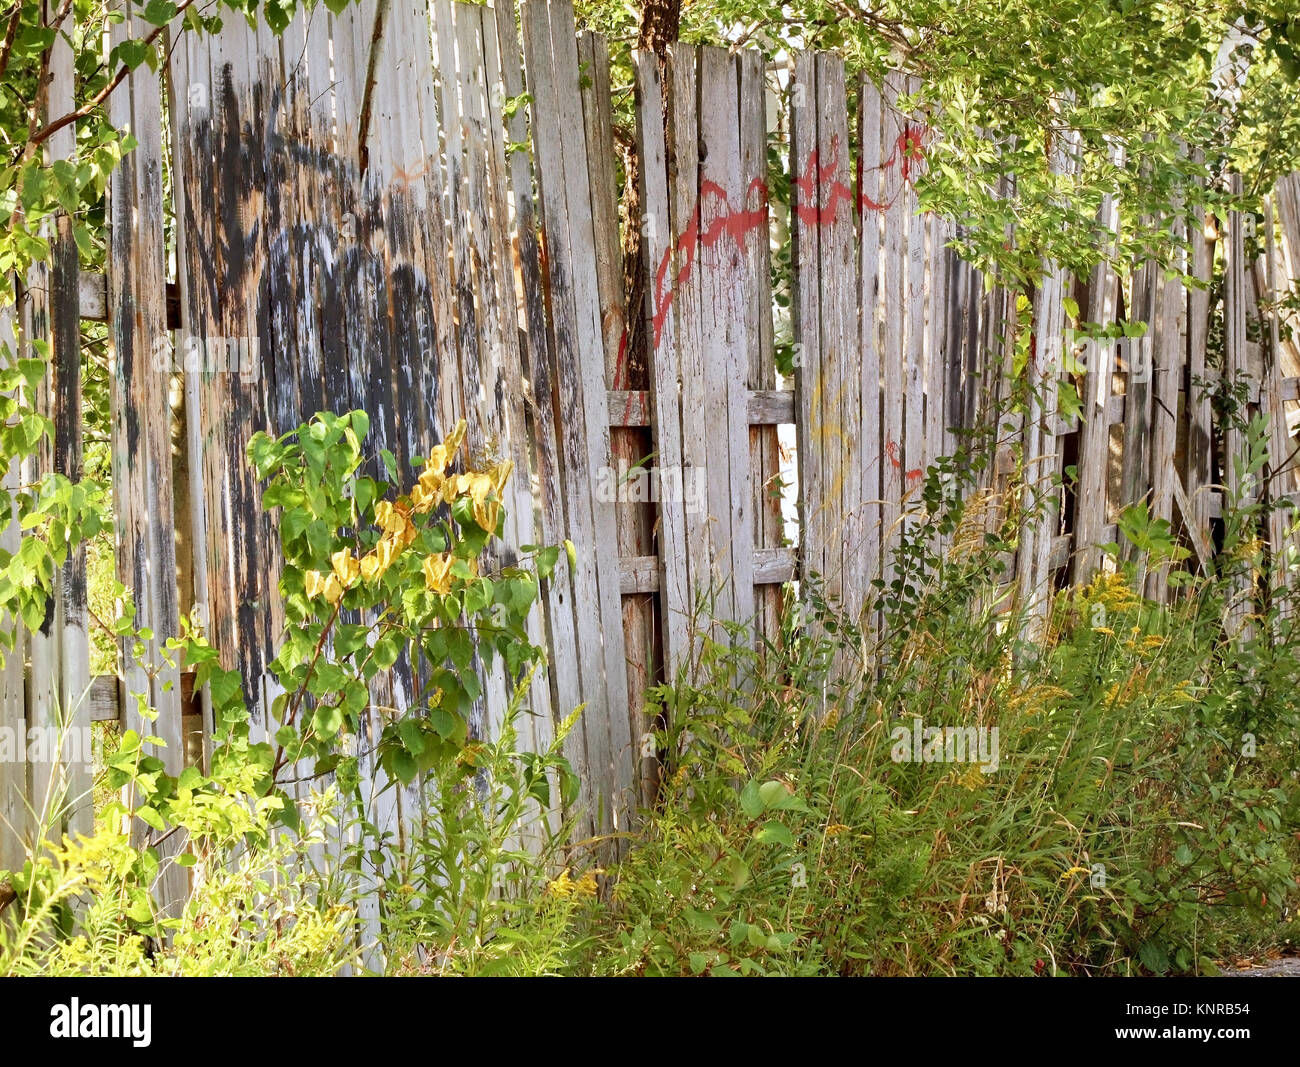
x,y
660,27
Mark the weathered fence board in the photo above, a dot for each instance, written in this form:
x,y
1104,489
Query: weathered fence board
x,y
578,362
141,440
15,786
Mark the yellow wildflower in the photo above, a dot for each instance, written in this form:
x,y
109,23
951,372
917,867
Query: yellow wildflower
x,y
561,886
566,887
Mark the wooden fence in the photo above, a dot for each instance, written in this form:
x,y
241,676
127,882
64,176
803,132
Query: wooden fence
x,y
357,227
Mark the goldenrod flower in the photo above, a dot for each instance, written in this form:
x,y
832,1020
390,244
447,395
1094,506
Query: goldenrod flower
x,y
561,886
567,887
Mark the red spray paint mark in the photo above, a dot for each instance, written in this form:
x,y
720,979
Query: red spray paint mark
x,y
725,221
819,191
891,451
817,202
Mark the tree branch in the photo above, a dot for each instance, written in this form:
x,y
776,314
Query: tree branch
x,y
10,34
53,127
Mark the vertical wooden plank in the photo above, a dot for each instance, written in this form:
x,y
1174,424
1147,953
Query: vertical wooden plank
x,y
35,310
539,727
594,386
838,337
485,409
956,319
65,331
936,337
630,448
661,328
717,152
809,384
1237,372
679,288
665,400
189,110
573,677
936,356
764,448
1167,373
142,465
1200,428
1094,428
870,444
1287,202
232,405
1000,323
893,289
914,412
1042,453
1281,481
1138,354
13,703
565,687
551,57
61,644
1236,364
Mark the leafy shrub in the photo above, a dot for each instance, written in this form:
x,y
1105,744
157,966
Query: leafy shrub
x,y
1138,817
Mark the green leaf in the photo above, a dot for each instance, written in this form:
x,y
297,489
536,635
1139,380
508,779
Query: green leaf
x,y
404,767
150,817
774,833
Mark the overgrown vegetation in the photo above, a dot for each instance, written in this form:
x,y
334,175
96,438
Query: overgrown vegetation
x,y
1124,800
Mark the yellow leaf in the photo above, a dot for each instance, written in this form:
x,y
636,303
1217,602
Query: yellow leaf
x,y
385,551
346,567
437,572
485,514
454,438
502,472
437,464
313,583
333,589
